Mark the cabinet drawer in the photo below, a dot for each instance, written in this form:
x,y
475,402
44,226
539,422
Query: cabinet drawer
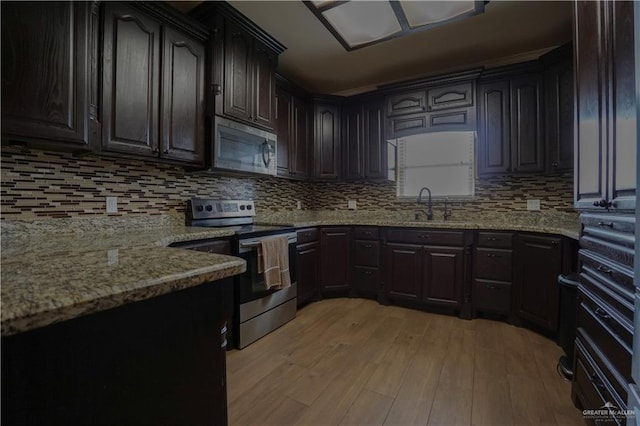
x,y
609,334
493,264
609,281
495,239
365,233
609,236
366,253
308,235
590,386
430,237
366,280
491,296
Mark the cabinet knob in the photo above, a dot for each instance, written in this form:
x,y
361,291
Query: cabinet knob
x,y
603,203
250,117
166,151
606,224
602,314
367,246
493,255
604,269
554,165
155,151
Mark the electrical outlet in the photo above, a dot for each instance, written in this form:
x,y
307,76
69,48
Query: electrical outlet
x,y
351,204
112,257
112,204
533,205
298,204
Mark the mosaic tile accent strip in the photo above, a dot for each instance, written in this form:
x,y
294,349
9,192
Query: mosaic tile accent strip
x,y
39,184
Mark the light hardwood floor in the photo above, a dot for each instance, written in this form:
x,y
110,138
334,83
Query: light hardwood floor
x,y
353,361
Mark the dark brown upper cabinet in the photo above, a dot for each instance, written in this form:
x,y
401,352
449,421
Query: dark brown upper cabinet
x,y
293,125
494,133
443,103
153,87
327,140
46,73
364,153
558,104
248,91
606,120
510,131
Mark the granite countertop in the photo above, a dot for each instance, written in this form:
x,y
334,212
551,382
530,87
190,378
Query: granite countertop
x,y
567,225
52,277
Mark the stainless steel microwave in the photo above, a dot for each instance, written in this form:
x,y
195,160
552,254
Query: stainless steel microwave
x,y
242,148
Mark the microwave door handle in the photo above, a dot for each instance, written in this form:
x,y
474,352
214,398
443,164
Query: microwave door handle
x,y
266,151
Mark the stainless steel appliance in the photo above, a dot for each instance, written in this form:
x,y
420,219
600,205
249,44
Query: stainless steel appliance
x,y
256,311
242,148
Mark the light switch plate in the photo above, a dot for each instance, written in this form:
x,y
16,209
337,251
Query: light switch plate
x,y
298,204
533,205
352,204
112,204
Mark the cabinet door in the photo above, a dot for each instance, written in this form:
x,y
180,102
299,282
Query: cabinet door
x,y
327,141
44,71
406,103
238,73
443,275
353,155
590,182
623,141
283,130
130,84
335,260
301,138
494,153
375,144
182,98
402,265
558,89
526,124
308,262
264,86
538,264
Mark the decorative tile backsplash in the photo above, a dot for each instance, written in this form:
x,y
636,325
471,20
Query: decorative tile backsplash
x,y
49,184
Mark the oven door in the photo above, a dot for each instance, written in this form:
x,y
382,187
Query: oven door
x,y
251,283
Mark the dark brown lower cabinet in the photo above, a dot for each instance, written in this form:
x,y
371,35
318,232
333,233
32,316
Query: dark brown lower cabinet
x,y
308,266
157,361
432,275
443,276
335,261
403,272
538,262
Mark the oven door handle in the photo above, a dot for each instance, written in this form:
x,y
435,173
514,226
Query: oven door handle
x,y
250,245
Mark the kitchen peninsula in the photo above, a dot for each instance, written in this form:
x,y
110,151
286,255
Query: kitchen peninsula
x,y
91,319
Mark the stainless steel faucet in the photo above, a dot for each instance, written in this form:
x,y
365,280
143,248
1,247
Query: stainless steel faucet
x,y
429,206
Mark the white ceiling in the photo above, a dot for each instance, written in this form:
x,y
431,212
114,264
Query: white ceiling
x,y
508,31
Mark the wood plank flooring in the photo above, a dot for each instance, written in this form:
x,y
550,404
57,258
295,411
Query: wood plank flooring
x,y
355,362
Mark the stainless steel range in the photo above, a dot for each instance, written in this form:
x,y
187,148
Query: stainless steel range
x,y
257,311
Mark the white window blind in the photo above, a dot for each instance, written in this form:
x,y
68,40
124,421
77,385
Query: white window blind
x,y
442,161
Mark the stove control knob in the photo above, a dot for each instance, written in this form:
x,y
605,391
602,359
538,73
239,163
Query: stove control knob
x,y
209,207
249,207
242,207
199,208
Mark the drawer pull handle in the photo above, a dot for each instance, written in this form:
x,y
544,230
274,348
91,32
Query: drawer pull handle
x,y
603,203
493,255
603,314
607,224
423,236
367,246
606,270
492,287
597,382
367,233
367,272
494,239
